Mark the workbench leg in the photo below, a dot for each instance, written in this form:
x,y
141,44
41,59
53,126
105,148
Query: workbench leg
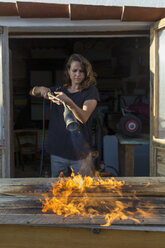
x,y
126,160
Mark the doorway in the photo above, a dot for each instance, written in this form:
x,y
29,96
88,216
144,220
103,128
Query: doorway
x,y
122,68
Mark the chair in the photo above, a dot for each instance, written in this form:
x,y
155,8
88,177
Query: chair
x,y
27,145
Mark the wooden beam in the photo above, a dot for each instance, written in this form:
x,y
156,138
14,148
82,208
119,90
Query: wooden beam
x,y
134,13
79,33
43,236
93,12
8,9
42,10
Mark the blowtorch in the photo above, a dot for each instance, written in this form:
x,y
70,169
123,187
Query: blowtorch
x,y
69,118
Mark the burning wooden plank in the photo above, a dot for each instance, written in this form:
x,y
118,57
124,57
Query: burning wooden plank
x,y
36,186
22,201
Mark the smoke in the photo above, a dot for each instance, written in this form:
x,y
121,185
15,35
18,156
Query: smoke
x,y
81,147
83,153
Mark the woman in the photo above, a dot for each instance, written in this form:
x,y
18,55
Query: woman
x,y
71,149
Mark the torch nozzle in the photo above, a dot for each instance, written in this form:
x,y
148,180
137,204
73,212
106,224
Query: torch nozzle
x,y
69,118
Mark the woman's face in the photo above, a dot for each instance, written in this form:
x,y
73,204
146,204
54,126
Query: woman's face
x,y
76,73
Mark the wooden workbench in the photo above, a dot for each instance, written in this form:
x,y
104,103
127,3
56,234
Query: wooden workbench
x,y
126,153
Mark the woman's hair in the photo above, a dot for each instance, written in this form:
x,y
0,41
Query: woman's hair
x,y
86,66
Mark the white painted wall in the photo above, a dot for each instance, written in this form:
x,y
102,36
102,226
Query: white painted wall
x,y
145,3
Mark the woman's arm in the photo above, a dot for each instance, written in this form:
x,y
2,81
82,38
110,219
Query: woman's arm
x,y
81,114
40,91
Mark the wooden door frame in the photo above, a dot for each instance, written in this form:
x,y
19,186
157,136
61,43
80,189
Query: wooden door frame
x,y
8,119
154,91
5,105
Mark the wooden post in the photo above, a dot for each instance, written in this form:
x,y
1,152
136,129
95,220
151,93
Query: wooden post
x,y
155,140
5,117
126,160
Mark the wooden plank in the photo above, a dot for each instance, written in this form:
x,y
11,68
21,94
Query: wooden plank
x,y
159,24
121,152
1,103
52,219
43,236
142,139
127,190
156,86
152,101
136,13
8,9
20,202
152,104
42,10
94,12
101,203
26,187
5,102
36,186
0,162
39,34
126,160
151,211
129,160
35,181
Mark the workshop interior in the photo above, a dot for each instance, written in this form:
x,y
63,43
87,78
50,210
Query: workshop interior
x,y
121,117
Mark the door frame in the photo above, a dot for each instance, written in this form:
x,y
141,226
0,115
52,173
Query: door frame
x,y
8,119
5,101
155,143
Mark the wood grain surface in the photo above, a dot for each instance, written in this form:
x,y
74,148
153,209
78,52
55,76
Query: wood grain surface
x,y
20,202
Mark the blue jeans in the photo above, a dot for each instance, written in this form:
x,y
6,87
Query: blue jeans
x,y
58,165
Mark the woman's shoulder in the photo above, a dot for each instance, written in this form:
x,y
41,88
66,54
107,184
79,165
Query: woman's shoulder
x,y
91,89
91,93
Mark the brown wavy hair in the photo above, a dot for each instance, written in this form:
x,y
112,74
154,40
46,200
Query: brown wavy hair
x,y
90,75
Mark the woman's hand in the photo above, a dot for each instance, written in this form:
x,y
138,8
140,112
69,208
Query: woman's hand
x,y
44,92
54,100
40,91
62,96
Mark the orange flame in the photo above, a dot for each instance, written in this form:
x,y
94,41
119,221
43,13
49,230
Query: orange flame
x,y
88,197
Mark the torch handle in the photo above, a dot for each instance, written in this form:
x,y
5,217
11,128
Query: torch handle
x,y
50,94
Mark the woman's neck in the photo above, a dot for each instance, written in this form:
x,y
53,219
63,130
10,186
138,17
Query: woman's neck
x,y
73,88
